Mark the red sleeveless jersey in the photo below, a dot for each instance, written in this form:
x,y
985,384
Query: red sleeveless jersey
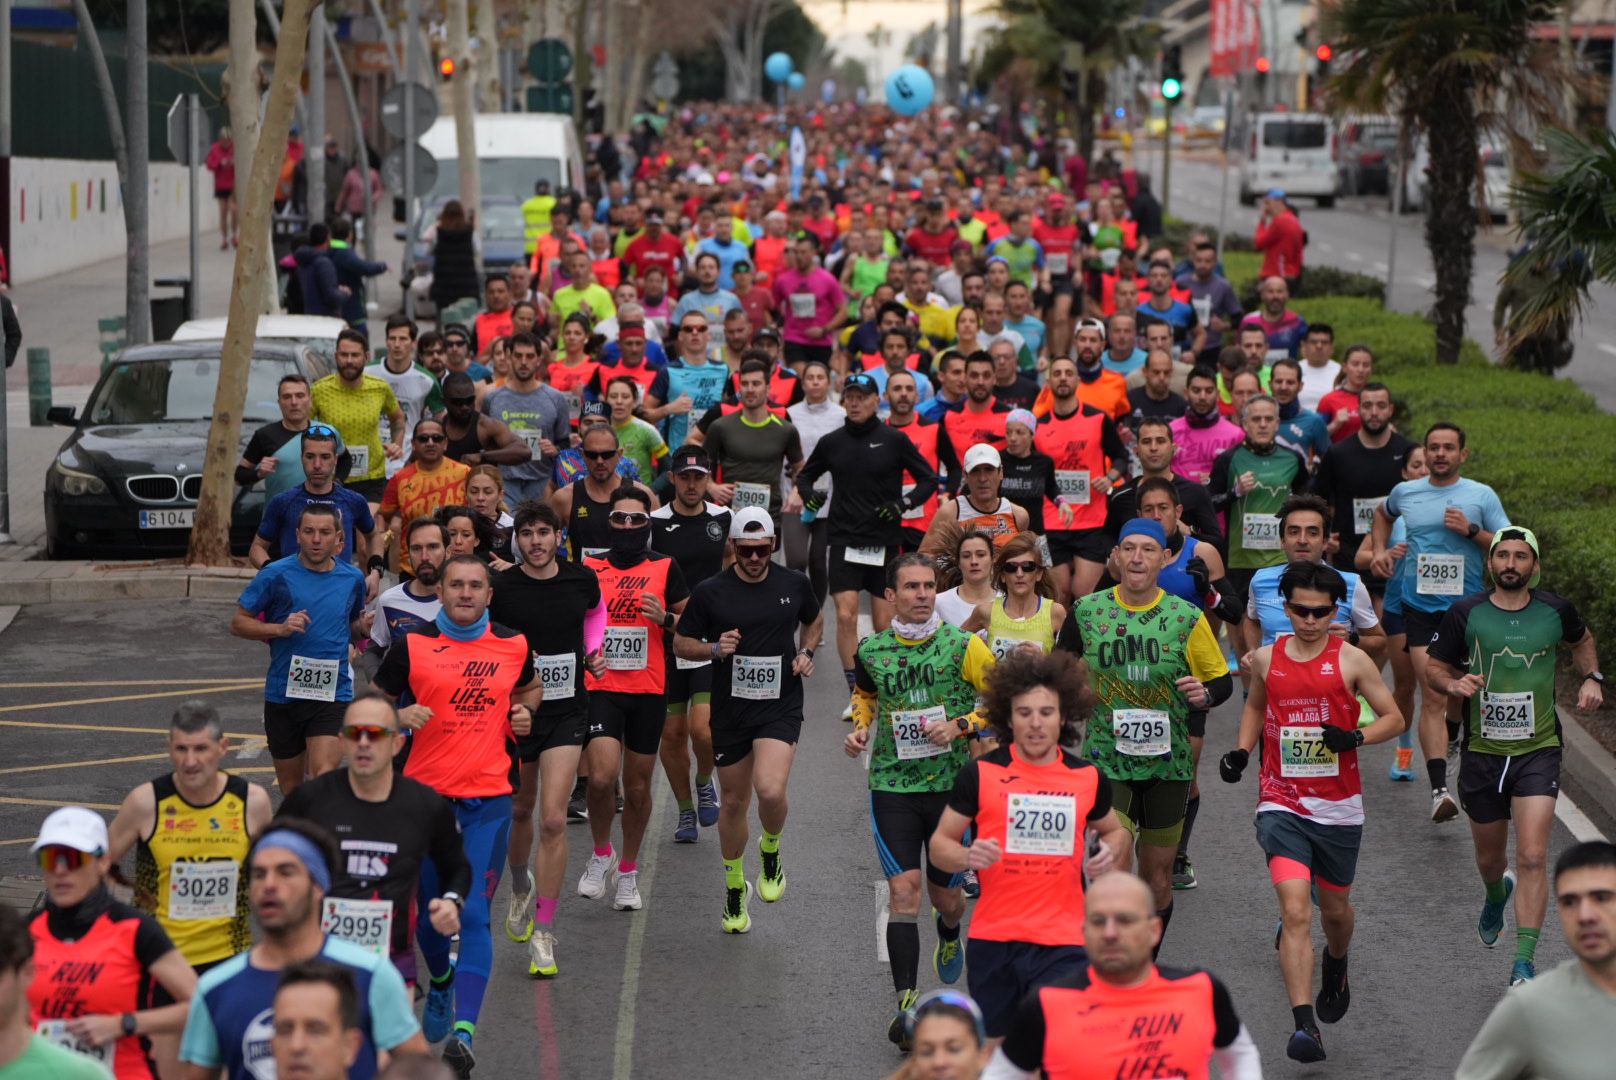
x,y
635,663
1073,442
1299,774
99,973
967,428
924,436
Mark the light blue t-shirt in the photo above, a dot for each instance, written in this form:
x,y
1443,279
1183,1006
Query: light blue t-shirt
x,y
1032,331
1265,604
333,599
1430,583
1123,367
715,305
922,386
728,255
1305,431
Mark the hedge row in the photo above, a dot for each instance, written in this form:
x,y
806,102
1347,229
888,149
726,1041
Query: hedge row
x,y
1242,268
1543,444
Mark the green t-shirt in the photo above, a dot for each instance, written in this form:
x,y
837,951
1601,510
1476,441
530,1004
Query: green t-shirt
x,y
1254,516
867,274
43,1060
908,679
1139,729
642,444
1513,651
572,298
753,455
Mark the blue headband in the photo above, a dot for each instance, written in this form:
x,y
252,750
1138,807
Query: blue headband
x,y
1144,527
305,849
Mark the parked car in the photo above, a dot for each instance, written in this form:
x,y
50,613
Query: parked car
x,y
1495,176
499,228
318,331
125,482
1368,148
1293,151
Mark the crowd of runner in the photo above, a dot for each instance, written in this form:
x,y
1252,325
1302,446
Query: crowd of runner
x,y
523,572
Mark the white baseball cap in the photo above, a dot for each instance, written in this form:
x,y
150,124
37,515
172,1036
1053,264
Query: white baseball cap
x,y
753,523
979,455
73,827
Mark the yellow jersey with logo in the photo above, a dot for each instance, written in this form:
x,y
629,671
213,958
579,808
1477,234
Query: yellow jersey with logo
x,y
190,872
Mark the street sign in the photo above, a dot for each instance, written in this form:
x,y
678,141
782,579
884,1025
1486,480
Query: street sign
x,y
550,61
665,86
426,170
393,111
549,99
179,145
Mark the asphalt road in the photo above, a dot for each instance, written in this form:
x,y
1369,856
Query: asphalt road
x,y
87,690
1355,234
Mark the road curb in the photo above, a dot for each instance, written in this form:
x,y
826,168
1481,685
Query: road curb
x,y
29,583
1589,772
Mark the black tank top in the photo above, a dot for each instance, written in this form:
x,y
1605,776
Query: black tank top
x,y
468,443
588,530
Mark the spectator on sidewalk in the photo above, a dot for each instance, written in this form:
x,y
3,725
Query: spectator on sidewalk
x,y
317,274
352,270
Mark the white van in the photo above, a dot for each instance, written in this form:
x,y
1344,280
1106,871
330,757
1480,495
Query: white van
x,y
514,150
1293,151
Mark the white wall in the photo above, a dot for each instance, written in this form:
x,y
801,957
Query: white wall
x,y
69,214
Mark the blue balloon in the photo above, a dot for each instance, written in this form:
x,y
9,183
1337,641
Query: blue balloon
x,y
796,81
778,67
909,90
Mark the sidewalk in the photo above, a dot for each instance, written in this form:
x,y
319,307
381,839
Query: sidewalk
x,y
60,313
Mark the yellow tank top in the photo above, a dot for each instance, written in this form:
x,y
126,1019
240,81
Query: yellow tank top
x,y
189,871
1005,633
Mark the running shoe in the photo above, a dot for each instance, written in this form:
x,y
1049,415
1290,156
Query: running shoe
x,y
541,961
771,882
458,1056
1524,971
707,804
1402,765
519,912
948,959
970,886
1491,923
1305,1045
1334,997
685,833
898,1032
438,1017
628,891
578,801
1183,873
592,885
737,920
1443,806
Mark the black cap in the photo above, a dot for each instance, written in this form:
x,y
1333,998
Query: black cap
x,y
595,408
861,382
768,333
690,461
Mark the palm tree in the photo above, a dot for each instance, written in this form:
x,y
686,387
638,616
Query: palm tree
x,y
1454,70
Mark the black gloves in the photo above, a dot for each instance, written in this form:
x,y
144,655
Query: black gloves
x,y
892,511
1232,764
814,502
1340,740
1200,575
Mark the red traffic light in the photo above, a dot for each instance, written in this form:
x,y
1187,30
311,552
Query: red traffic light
x,y
446,67
1262,64
1324,52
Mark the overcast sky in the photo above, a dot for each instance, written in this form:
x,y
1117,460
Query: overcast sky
x,y
847,33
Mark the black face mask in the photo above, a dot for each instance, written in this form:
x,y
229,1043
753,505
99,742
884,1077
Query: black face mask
x,y
627,543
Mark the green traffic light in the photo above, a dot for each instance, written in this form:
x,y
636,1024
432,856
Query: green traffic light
x,y
1171,89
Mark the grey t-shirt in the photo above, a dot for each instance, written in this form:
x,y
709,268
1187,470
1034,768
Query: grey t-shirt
x,y
1556,1027
751,454
543,412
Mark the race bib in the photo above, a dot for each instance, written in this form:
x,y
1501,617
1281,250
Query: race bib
x,y
575,405
1203,310
681,664
1507,717
55,1031
1302,753
754,678
359,457
366,923
866,556
1259,532
1073,484
1004,646
909,732
558,674
1439,575
1059,263
748,495
1141,732
1363,515
202,890
1275,354
532,437
1040,825
312,680
918,511
802,305
624,648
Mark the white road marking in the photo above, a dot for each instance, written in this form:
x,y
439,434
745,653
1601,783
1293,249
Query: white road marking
x,y
1607,347
881,917
628,998
1572,817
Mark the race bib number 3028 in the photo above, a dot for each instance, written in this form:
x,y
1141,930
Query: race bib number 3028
x,y
202,890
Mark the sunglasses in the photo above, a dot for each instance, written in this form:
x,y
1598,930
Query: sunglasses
x,y
429,438
59,857
455,343
753,551
631,518
320,429
1307,611
462,400
693,329
374,732
599,455
1022,567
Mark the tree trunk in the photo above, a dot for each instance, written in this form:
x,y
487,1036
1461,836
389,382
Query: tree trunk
x,y
490,86
611,79
243,100
109,94
1450,221
581,66
635,88
465,113
210,538
137,189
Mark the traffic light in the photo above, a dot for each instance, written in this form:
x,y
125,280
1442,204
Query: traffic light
x,y
1262,65
446,68
1172,69
1324,54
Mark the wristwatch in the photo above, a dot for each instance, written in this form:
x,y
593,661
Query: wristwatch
x,y
1596,676
456,899
807,652
716,650
668,619
128,1024
1473,530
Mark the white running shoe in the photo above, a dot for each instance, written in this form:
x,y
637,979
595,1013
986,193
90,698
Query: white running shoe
x,y
592,885
541,961
628,892
519,913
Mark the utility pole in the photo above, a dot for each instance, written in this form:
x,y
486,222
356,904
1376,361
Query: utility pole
x,y
137,126
412,74
5,240
465,113
314,138
956,76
